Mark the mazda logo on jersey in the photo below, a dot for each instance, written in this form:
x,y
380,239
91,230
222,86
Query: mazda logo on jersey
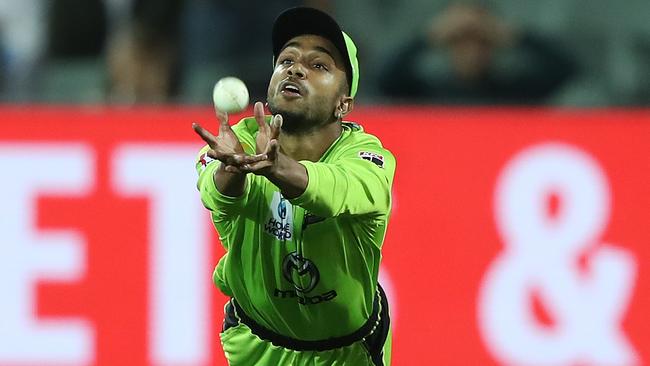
x,y
300,271
303,274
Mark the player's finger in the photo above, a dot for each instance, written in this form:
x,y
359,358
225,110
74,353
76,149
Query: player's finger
x,y
276,126
204,134
242,159
249,168
228,158
257,168
272,150
218,155
251,159
258,112
223,119
233,169
214,154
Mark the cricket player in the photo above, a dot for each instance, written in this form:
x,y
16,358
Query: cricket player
x,y
301,200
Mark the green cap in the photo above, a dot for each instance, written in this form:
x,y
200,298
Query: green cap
x,y
301,20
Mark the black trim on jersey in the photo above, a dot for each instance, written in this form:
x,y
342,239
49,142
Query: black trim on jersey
x,y
352,125
374,343
373,332
229,319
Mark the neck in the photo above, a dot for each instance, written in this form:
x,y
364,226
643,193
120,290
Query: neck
x,y
310,145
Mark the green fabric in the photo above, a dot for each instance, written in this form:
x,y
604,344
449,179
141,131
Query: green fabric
x,y
311,273
354,62
242,348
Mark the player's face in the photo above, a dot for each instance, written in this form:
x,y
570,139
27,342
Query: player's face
x,y
308,83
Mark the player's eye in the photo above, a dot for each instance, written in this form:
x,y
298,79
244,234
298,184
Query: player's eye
x,y
320,66
286,61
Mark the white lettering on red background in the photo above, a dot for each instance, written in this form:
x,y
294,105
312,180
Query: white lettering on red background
x,y
28,255
542,252
178,300
178,260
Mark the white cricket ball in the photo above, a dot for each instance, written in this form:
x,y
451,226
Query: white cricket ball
x,y
230,95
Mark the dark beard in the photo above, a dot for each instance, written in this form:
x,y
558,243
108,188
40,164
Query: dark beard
x,y
297,123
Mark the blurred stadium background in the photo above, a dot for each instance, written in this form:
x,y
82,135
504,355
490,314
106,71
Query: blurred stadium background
x,y
81,51
519,233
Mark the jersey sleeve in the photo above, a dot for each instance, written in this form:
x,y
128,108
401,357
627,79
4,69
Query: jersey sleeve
x,y
358,183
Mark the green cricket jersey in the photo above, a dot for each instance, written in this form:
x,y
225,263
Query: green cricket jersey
x,y
307,267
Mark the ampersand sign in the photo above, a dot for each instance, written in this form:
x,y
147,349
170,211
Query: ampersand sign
x,y
541,253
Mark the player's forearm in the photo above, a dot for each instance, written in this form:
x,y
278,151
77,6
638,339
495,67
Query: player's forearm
x,y
290,176
350,186
229,184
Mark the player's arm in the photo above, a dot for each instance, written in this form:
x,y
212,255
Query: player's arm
x,y
352,185
288,175
227,149
210,171
219,179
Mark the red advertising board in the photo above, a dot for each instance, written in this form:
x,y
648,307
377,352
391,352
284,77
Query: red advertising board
x,y
517,237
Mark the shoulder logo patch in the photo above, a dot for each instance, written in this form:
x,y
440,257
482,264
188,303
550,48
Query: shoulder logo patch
x,y
205,160
372,157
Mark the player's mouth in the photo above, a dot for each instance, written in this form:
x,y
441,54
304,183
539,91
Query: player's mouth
x,y
291,89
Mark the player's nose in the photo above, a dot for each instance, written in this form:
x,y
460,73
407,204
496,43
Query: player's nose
x,y
296,70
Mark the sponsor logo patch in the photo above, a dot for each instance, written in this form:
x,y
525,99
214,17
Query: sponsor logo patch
x,y
303,274
279,222
372,157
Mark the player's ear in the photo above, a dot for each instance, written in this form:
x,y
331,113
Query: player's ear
x,y
346,104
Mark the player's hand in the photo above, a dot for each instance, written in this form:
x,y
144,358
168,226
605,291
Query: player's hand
x,y
266,131
225,147
268,146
